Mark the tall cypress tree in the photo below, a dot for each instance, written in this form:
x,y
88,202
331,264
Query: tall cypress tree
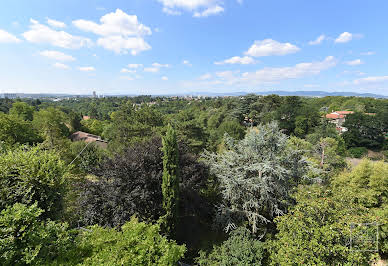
x,y
170,182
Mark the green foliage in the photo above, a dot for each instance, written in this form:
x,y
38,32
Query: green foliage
x,y
94,126
170,183
22,110
15,130
241,248
135,244
25,239
50,123
367,185
357,152
132,124
316,230
256,176
90,157
364,131
31,175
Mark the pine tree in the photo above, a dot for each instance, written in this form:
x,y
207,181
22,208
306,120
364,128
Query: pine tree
x,y
170,182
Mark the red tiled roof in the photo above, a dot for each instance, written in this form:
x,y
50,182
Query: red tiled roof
x,y
334,116
344,112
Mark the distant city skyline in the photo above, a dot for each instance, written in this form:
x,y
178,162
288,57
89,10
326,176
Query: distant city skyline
x,y
177,47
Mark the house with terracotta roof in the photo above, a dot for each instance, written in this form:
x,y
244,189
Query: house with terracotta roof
x,y
86,137
338,118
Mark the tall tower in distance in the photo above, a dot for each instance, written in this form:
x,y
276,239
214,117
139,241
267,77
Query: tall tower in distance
x,y
94,94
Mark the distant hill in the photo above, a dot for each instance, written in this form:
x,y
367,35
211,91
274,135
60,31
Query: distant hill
x,y
293,93
214,94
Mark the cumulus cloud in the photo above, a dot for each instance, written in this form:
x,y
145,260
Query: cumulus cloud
x,y
151,69
318,40
61,66
268,75
59,56
246,60
164,78
370,80
209,11
269,47
347,37
368,53
186,62
121,45
355,62
205,76
43,34
6,37
119,32
135,65
160,65
56,23
199,8
126,70
87,69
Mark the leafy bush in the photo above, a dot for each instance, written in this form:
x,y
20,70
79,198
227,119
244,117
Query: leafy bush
x,y
24,239
131,184
241,248
357,152
317,230
29,175
135,244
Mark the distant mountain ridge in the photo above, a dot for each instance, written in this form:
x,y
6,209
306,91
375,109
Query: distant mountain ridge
x,y
215,94
293,93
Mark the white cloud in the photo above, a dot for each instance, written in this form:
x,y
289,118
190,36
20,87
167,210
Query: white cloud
x,y
59,56
164,78
56,23
151,69
120,32
43,34
269,47
240,2
368,53
121,45
267,75
61,66
125,70
160,65
6,37
347,37
376,79
246,60
199,8
87,69
135,65
205,76
318,40
209,11
187,63
355,62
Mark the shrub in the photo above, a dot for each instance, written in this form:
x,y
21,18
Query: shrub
x,y
29,175
241,248
26,240
317,230
135,244
357,152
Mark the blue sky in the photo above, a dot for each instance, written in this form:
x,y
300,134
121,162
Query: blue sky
x,y
184,46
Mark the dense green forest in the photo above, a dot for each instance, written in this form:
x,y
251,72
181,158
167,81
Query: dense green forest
x,y
250,180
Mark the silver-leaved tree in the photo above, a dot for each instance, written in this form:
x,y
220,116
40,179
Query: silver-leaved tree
x,y
256,176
